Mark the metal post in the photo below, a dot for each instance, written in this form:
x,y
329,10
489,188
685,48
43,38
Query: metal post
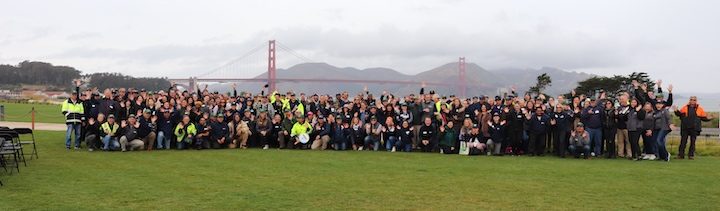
x,y
2,112
33,117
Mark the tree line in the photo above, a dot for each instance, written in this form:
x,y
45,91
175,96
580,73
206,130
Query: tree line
x,y
61,77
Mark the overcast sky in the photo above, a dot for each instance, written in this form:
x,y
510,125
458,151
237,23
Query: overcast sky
x,y
677,41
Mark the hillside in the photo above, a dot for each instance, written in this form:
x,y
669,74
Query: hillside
x,y
479,80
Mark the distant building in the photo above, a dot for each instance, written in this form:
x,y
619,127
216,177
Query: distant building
x,y
9,94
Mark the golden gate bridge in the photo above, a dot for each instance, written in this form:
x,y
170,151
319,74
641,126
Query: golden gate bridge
x,y
272,79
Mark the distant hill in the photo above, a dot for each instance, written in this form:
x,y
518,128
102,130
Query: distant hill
x,y
480,81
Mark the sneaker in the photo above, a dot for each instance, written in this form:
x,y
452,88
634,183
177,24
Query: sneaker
x,y
90,150
652,157
393,149
266,147
667,159
592,154
360,148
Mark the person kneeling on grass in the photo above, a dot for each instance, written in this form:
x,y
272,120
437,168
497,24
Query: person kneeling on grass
x,y
185,132
406,135
448,138
130,140
390,134
203,134
321,133
427,135
109,133
219,133
239,132
580,141
300,132
475,140
496,128
92,132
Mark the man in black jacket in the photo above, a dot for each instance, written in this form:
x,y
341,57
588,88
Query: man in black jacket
x,y
690,117
538,125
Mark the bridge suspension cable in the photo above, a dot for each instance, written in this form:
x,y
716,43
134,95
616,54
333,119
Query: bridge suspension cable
x,y
293,52
234,61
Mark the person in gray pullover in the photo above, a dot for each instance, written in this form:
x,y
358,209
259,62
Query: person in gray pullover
x,y
662,128
648,124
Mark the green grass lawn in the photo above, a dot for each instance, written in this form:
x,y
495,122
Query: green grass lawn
x,y
273,179
20,112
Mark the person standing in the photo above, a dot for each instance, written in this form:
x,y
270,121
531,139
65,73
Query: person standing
x,y
538,126
592,117
73,110
690,116
662,128
516,128
635,127
648,124
609,129
622,138
563,120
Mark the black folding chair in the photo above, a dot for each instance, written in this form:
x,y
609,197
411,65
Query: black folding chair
x,y
28,131
14,143
6,140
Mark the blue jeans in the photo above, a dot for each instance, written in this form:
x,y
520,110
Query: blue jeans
x,y
69,132
110,143
183,143
374,141
390,143
649,143
661,150
163,141
406,148
340,145
573,150
595,139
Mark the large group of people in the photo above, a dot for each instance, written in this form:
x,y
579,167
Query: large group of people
x,y
578,126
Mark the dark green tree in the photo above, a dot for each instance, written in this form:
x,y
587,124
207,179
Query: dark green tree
x,y
613,85
543,81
